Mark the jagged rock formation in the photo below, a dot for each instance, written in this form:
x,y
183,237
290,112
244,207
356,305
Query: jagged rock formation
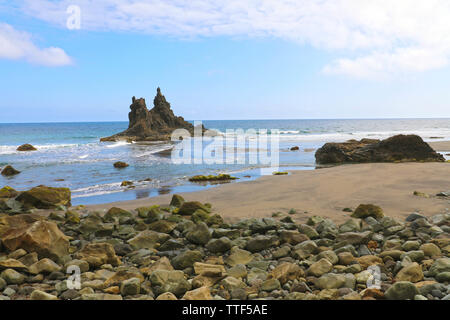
x,y
396,148
151,125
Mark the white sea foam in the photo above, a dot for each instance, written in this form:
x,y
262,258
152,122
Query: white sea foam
x,y
117,144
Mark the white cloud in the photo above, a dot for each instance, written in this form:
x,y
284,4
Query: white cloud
x,y
18,45
375,38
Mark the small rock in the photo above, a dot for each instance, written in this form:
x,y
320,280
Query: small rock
x,y
130,287
320,267
120,164
41,295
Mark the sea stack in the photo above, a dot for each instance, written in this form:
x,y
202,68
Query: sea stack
x,y
151,125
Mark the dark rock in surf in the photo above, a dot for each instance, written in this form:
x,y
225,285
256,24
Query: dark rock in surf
x,y
9,171
26,147
393,149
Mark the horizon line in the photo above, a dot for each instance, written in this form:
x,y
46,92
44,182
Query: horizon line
x,y
266,119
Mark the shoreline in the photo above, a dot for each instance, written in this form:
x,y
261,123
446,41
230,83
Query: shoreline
x,y
324,192
245,174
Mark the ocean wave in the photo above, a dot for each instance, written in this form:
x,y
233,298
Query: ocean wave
x,y
304,136
117,144
8,149
114,187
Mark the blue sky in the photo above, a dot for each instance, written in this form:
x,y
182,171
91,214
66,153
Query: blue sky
x,y
210,66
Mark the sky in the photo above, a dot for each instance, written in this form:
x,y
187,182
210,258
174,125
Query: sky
x,y
83,60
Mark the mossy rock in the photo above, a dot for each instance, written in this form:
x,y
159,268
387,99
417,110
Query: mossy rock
x,y
215,220
115,213
8,192
177,201
219,177
9,171
280,173
200,216
43,197
126,183
368,210
188,208
144,211
72,217
175,218
163,226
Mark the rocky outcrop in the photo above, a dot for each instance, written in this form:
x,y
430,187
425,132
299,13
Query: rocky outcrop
x,y
396,148
151,125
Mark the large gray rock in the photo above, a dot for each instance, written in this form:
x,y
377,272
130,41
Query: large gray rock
x,y
396,148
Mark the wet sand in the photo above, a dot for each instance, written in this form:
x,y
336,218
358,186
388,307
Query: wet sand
x,y
325,192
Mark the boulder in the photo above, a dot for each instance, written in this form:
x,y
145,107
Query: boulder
x,y
238,256
368,210
201,293
396,148
186,259
401,290
148,239
12,276
43,197
97,254
439,266
188,208
330,281
260,243
9,171
44,266
130,287
115,213
162,226
30,233
220,245
320,267
169,281
286,271
26,147
177,201
41,295
412,273
8,192
200,234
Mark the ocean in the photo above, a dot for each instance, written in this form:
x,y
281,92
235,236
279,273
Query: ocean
x,y
71,155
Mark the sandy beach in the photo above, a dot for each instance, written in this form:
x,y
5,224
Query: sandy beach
x,y
324,192
441,146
